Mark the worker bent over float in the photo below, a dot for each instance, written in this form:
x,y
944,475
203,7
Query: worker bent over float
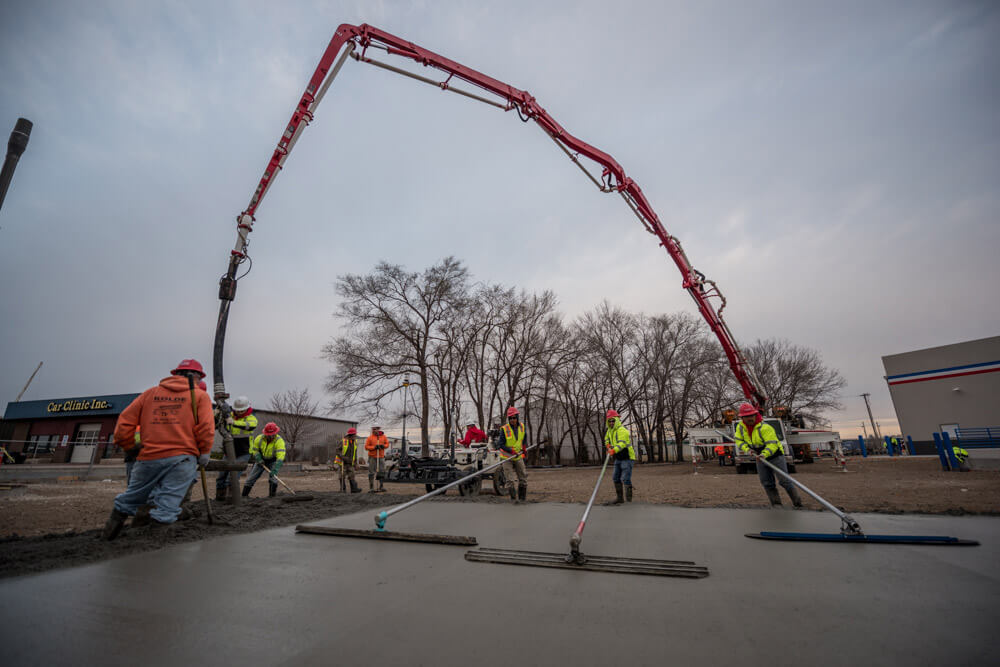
x,y
618,444
349,459
510,446
752,433
241,424
375,445
267,449
176,438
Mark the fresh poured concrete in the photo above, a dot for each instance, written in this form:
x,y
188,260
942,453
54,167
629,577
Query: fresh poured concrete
x,y
275,598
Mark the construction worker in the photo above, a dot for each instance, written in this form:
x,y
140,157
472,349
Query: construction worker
x,y
375,445
720,453
176,438
961,455
241,424
618,444
510,447
349,459
267,449
752,433
472,435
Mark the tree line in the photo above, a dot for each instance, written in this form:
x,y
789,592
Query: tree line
x,y
470,350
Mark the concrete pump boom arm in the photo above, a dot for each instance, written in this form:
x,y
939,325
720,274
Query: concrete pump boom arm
x,y
349,38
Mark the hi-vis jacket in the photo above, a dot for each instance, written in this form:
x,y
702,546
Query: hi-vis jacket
x,y
349,451
274,450
244,425
762,440
617,440
960,454
513,442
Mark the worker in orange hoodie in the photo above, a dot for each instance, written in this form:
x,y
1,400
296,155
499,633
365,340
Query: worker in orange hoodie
x,y
375,445
174,443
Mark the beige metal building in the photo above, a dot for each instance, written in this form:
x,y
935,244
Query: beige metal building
x,y
943,389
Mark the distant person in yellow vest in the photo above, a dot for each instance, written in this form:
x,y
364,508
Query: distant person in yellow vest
x,y
618,443
349,458
510,445
962,456
752,433
267,449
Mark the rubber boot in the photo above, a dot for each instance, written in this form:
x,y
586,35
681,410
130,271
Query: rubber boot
x,y
793,493
113,526
772,495
272,489
354,487
618,492
628,492
371,485
381,487
246,491
141,517
512,490
185,514
522,494
220,494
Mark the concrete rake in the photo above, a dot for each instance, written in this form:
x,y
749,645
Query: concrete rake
x,y
850,530
576,560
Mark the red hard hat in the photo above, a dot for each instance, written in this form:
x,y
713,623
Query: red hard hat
x,y
512,412
746,410
612,413
189,365
202,385
352,431
271,429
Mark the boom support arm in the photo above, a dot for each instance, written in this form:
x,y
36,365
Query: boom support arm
x,y
350,38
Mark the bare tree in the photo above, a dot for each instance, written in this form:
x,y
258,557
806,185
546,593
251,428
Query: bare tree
x,y
393,319
796,378
295,410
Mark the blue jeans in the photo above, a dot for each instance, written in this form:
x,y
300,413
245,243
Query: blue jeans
x,y
623,471
258,470
767,476
222,481
160,482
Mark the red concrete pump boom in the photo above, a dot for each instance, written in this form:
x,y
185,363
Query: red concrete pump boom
x,y
612,180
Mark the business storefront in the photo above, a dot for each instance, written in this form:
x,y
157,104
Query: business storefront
x,y
63,430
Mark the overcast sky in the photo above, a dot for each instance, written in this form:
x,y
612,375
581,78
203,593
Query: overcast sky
x,y
833,166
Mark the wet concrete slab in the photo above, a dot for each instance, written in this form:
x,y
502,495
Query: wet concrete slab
x,y
275,598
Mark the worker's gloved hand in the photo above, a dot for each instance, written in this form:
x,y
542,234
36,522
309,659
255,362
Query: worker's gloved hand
x,y
203,460
277,466
229,420
258,459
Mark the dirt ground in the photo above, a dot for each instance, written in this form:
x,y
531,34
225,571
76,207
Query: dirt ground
x,y
48,525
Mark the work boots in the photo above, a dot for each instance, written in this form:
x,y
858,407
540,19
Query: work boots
x,y
619,499
141,517
354,487
371,485
793,493
220,494
381,487
512,490
113,526
522,494
772,495
628,492
246,491
272,489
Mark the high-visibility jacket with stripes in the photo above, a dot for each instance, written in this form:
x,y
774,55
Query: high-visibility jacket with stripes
x,y
762,440
244,425
618,440
274,450
514,442
960,454
349,451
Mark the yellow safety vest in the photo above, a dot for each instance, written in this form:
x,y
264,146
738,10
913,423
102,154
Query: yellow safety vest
x,y
244,425
353,444
268,450
515,442
617,438
763,440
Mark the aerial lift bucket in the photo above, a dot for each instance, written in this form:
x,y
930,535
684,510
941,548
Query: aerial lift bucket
x,y
576,560
850,530
380,533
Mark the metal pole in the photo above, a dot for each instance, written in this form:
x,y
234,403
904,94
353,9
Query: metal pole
x,y
574,542
26,384
848,525
15,148
875,430
385,514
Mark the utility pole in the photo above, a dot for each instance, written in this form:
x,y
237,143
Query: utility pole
x,y
18,399
872,419
864,427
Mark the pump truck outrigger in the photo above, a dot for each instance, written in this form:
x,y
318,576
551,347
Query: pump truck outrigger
x,y
355,41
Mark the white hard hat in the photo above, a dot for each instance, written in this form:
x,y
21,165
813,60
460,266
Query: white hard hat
x,y
241,403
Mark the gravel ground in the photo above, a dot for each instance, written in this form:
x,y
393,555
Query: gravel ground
x,y
49,525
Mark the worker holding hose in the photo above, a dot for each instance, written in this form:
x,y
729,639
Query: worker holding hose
x,y
510,446
267,449
618,444
752,433
241,424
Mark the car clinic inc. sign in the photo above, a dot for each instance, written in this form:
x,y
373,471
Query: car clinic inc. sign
x,y
82,406
79,405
